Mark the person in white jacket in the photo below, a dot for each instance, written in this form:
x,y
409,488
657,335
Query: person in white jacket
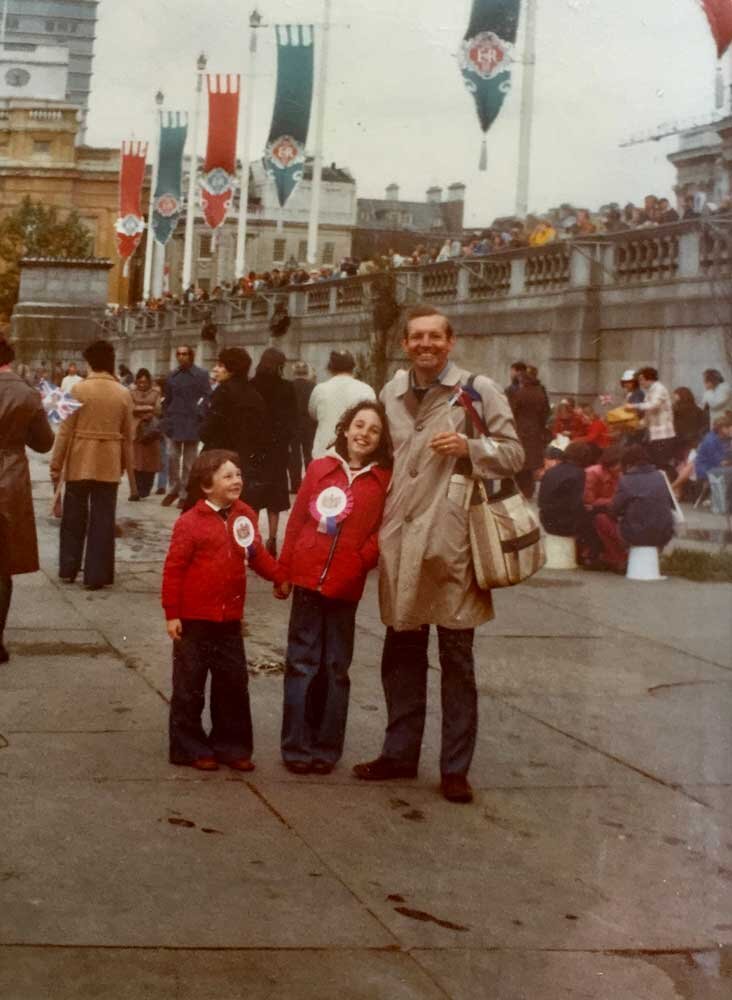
x,y
330,400
717,394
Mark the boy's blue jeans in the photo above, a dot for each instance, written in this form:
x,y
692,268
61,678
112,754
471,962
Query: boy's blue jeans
x,y
218,648
319,653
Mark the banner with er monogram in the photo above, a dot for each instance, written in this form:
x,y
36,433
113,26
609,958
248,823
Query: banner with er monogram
x,y
219,171
168,197
130,225
486,55
284,155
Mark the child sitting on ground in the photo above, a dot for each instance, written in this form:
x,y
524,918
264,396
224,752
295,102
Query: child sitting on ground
x,y
330,545
204,586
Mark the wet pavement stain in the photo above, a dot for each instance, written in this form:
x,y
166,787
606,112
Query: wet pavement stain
x,y
414,814
179,821
427,918
396,898
209,829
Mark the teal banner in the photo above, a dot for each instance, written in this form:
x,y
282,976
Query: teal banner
x,y
486,56
284,156
168,199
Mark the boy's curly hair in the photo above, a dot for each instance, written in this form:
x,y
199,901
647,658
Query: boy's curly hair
x,y
203,471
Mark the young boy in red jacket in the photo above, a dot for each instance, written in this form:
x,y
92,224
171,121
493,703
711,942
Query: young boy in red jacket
x,y
204,586
331,543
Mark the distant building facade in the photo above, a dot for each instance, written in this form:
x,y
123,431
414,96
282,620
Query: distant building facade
x,y
390,223
703,162
67,23
275,237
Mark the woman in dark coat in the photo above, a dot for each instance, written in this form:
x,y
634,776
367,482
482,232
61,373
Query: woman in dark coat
x,y
689,422
531,412
238,420
279,397
22,422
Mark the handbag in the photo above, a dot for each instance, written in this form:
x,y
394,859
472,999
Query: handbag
x,y
505,536
148,431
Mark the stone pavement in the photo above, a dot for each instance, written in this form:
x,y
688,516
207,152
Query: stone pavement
x,y
595,864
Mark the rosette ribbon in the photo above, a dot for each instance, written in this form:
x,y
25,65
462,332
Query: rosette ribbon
x,y
245,535
58,405
130,225
330,508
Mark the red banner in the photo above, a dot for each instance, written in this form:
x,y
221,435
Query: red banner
x,y
219,171
130,224
719,15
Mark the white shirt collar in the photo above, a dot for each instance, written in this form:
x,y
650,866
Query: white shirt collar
x,y
350,473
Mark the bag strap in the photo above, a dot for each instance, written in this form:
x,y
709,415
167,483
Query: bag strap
x,y
509,486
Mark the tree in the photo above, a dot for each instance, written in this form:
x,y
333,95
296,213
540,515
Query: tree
x,y
33,230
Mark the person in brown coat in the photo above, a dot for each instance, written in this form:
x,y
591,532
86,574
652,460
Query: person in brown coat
x,y
146,401
530,407
93,448
22,422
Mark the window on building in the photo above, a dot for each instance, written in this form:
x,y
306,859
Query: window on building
x,y
13,23
204,284
328,253
279,250
205,247
50,25
302,251
41,147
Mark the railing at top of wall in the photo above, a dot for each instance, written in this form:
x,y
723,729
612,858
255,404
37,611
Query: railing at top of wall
x,y
702,250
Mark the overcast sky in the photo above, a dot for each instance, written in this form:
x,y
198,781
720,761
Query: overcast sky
x,y
396,107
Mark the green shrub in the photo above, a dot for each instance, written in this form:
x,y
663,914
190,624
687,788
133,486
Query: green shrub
x,y
706,567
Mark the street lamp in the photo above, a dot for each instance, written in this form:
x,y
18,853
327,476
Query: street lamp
x,y
202,62
255,19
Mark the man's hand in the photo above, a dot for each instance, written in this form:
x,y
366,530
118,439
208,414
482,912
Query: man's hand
x,y
450,443
175,628
282,590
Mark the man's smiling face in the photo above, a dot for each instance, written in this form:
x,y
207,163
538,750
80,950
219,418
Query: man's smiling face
x,y
427,344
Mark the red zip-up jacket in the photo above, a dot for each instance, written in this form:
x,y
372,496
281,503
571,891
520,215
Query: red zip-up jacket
x,y
335,566
204,576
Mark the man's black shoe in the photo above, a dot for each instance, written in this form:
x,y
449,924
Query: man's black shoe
x,y
4,654
456,788
384,769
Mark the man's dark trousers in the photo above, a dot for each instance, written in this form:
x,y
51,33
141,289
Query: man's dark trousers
x,y
404,668
88,516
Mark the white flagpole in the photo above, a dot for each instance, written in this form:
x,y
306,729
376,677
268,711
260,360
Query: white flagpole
x,y
150,241
255,21
527,111
193,177
319,132
5,22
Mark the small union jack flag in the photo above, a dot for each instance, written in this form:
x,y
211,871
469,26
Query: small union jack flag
x,y
58,405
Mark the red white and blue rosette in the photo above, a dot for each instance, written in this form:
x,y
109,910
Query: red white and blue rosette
x,y
245,535
331,507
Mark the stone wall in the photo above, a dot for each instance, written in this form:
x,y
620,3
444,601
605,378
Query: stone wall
x,y
582,311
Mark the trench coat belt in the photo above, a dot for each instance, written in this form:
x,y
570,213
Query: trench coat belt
x,y
97,435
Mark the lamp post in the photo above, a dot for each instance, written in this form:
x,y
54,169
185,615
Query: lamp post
x,y
527,111
245,133
201,64
150,242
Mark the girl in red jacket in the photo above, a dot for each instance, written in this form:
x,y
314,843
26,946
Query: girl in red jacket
x,y
204,586
330,545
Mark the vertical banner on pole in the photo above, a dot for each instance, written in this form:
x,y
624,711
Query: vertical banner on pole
x,y
284,155
168,196
130,224
485,59
219,170
719,15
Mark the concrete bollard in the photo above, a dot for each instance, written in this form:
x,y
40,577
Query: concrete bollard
x,y
561,552
643,563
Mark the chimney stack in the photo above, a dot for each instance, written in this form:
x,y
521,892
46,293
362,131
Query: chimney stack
x,y
434,195
392,192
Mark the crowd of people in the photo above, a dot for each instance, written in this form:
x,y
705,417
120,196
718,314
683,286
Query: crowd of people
x,y
610,480
383,482
509,233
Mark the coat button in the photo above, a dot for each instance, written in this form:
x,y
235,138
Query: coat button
x,y
408,518
419,427
413,473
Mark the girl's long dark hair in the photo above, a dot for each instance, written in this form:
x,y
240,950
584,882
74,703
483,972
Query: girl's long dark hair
x,y
202,473
384,454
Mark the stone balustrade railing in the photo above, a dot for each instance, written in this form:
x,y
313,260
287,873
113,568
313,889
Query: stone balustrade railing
x,y
689,250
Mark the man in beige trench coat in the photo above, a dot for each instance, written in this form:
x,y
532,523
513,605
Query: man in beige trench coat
x,y
426,571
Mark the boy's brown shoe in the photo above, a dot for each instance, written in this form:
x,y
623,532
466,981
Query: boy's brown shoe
x,y
456,788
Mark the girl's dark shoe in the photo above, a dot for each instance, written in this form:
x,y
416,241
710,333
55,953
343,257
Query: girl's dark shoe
x,y
4,654
298,766
456,788
321,767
